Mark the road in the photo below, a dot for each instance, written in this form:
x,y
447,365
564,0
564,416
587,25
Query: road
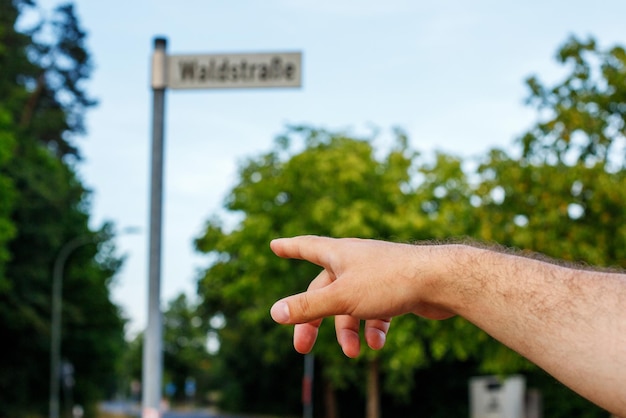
x,y
130,409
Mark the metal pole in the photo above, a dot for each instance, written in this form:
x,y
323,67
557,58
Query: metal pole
x,y
152,352
307,386
55,323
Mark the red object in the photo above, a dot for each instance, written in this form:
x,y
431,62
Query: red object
x,y
307,386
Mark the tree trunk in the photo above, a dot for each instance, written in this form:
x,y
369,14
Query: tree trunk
x,y
33,101
330,400
373,390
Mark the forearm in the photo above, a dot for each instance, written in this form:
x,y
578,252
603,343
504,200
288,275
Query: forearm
x,y
570,322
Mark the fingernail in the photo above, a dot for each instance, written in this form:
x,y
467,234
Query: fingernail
x,y
280,312
382,338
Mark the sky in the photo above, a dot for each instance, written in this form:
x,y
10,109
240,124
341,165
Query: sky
x,y
450,73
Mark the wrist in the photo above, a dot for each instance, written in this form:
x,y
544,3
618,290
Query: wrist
x,y
457,282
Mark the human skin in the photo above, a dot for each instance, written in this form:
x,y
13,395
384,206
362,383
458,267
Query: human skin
x,y
571,322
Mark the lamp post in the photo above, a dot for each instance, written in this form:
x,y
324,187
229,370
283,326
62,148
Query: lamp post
x,y
57,303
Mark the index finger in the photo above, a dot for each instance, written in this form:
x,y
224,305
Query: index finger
x,y
307,247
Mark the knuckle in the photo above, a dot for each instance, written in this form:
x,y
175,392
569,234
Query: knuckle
x,y
304,307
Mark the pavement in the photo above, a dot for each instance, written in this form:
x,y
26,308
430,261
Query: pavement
x,y
127,409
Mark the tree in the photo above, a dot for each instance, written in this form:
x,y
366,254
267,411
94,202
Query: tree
x,y
334,187
7,191
11,61
436,200
42,102
562,197
582,118
186,360
565,196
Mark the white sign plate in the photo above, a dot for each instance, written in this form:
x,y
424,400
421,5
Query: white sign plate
x,y
225,71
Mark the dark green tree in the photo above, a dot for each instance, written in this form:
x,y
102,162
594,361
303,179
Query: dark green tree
x,y
43,101
185,358
13,61
185,354
7,191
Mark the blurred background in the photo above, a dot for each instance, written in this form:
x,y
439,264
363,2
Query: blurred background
x,y
414,121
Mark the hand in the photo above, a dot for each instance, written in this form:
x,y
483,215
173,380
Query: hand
x,y
570,322
362,279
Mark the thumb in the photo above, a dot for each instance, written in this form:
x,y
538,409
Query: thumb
x,y
305,307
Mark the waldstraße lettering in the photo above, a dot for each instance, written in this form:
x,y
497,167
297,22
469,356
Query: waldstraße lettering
x,y
254,70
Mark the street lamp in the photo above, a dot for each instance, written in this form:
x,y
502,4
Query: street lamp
x,y
57,302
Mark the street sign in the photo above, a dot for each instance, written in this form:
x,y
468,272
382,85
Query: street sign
x,y
225,71
215,71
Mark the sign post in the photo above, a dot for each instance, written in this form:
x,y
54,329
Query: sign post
x,y
207,71
152,371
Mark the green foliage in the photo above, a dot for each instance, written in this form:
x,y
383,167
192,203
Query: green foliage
x,y
7,191
129,377
252,378
583,117
573,212
334,186
44,206
185,354
185,348
564,197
